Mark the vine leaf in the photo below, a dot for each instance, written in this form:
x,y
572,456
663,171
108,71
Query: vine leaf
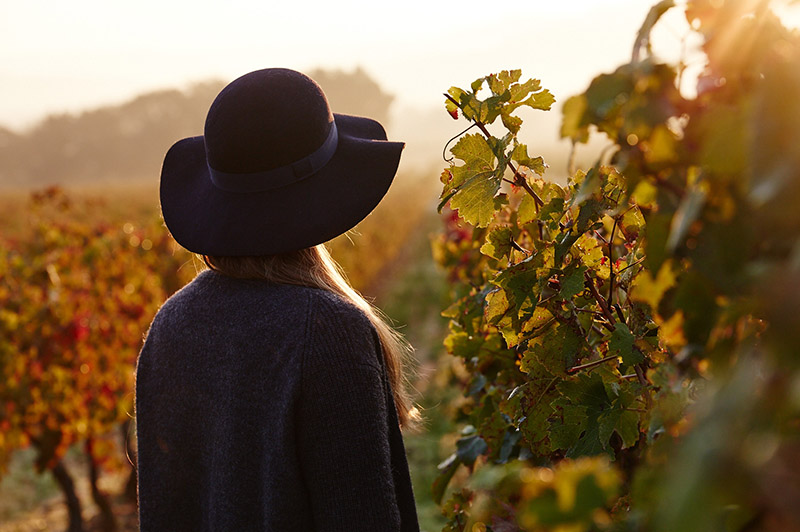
x,y
649,290
573,123
520,155
623,422
582,403
498,243
476,201
543,100
572,284
621,345
447,469
556,350
472,187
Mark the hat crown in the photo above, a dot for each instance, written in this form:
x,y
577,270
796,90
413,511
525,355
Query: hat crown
x,y
264,120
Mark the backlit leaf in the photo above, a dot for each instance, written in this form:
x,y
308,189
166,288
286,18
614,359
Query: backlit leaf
x,y
498,242
650,290
475,200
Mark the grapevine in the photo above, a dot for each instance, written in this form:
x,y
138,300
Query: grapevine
x,y
616,331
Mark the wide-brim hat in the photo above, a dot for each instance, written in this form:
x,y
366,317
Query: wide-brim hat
x,y
275,171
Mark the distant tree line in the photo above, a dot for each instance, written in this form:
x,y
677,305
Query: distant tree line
x,y
128,141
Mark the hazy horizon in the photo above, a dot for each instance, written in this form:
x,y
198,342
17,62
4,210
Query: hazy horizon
x,y
71,58
66,58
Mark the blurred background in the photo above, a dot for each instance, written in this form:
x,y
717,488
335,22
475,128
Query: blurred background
x,y
96,92
89,71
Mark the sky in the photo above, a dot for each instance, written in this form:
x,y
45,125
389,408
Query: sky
x,y
70,56
59,57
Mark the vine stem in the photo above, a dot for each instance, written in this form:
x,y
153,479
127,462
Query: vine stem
x,y
519,179
611,263
601,302
591,364
643,381
631,265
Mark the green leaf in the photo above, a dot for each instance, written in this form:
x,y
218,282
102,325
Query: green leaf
x,y
520,90
623,422
589,213
573,124
621,344
606,93
496,85
556,350
496,306
540,100
471,185
661,146
507,77
474,150
492,107
649,290
583,401
470,448
456,93
589,443
477,84
512,123
564,245
628,428
454,310
520,155
534,400
447,470
479,161
475,201
522,281
510,439
572,284
461,344
566,432
588,187
632,222
538,320
498,242
526,212
552,212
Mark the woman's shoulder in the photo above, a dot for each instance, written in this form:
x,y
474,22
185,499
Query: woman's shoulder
x,y
325,304
338,329
210,290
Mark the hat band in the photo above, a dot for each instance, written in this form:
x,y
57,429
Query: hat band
x,y
282,176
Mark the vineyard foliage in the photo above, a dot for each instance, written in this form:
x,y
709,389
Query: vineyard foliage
x,y
81,280
629,340
75,301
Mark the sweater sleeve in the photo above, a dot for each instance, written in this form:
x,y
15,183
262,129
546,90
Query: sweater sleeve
x,y
343,436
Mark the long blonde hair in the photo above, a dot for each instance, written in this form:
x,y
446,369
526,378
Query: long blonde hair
x,y
314,267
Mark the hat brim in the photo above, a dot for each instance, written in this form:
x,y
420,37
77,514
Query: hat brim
x,y
208,220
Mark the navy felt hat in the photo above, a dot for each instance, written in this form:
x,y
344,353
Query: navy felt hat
x,y
275,170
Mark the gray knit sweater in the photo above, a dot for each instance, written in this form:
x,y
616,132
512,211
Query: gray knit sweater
x,y
265,407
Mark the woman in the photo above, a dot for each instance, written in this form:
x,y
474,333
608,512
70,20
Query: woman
x,y
269,394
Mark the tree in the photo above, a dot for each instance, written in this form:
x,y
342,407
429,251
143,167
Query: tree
x,y
127,142
354,93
